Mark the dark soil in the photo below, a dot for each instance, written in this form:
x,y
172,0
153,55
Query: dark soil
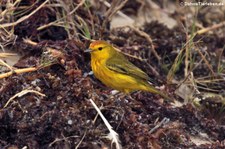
x,y
64,116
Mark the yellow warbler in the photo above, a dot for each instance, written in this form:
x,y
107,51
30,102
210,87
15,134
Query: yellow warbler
x,y
114,70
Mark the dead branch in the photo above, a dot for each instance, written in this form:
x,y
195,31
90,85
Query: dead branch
x,y
22,93
18,71
205,60
149,39
23,18
204,30
115,7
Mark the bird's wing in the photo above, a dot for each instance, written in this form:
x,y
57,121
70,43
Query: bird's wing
x,y
121,65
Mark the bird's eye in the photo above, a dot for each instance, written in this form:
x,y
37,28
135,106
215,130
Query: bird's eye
x,y
100,48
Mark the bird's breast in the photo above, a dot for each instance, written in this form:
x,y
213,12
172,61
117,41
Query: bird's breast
x,y
99,69
114,79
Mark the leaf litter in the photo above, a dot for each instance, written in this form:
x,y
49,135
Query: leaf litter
x,y
65,118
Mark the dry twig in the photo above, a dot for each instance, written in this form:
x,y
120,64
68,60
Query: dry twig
x,y
113,136
4,55
81,140
61,139
207,63
119,12
24,17
22,93
77,7
30,42
187,55
215,26
149,39
189,73
5,64
18,71
115,7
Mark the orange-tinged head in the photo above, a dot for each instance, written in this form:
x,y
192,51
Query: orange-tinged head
x,y
97,43
101,50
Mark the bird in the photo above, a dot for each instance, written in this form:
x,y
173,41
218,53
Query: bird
x,y
114,70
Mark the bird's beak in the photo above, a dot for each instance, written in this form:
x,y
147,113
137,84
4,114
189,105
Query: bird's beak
x,y
87,50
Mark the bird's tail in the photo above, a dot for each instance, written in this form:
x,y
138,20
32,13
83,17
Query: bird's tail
x,y
153,90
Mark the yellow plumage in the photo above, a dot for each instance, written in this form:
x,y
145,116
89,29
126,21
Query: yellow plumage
x,y
114,70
